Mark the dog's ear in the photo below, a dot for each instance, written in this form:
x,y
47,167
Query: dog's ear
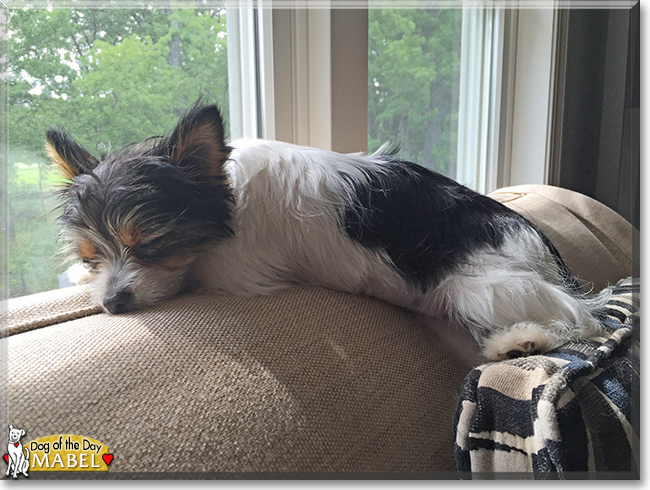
x,y
70,157
11,427
198,142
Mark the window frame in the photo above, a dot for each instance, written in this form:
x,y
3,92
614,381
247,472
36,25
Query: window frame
x,y
480,97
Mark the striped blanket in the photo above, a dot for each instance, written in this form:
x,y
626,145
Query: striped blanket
x,y
571,413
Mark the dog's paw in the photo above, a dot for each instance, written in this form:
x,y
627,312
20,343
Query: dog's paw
x,y
79,274
522,339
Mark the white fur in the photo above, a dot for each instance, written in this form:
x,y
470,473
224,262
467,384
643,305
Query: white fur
x,y
525,337
79,274
499,289
287,227
149,284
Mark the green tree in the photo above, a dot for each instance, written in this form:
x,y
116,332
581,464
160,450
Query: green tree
x,y
413,68
106,75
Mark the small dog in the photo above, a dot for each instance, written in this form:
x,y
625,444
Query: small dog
x,y
188,211
18,461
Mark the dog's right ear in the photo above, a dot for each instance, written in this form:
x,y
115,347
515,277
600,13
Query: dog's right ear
x,y
198,142
70,157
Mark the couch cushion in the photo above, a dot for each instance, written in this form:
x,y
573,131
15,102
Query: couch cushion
x,y
310,380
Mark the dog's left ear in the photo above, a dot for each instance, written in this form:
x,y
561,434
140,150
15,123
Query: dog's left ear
x,y
71,158
198,142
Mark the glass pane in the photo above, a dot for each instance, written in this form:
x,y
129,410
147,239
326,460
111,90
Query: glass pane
x,y
413,81
110,77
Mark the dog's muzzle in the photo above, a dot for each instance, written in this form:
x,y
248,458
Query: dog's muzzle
x,y
117,302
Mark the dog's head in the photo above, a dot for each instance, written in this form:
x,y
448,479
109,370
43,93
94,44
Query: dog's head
x,y
15,434
139,216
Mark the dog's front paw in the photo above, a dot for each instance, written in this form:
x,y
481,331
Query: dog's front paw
x,y
522,339
79,274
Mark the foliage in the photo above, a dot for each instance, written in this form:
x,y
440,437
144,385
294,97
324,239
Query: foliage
x,y
414,67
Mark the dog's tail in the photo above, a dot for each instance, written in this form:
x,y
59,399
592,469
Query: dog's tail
x,y
594,302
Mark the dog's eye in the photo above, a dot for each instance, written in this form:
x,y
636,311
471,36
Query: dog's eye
x,y
93,264
153,251
148,255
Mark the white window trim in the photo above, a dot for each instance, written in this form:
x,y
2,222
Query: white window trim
x,y
267,110
313,93
302,87
286,92
242,74
505,120
250,72
479,98
533,96
320,90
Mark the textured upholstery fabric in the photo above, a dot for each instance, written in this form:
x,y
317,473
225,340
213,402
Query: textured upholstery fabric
x,y
310,380
43,309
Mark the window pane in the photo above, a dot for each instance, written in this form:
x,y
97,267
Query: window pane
x,y
110,77
413,81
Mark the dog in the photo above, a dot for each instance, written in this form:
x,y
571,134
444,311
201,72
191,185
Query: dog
x,y
18,461
189,211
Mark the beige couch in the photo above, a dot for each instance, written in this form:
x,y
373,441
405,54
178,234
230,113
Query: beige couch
x,y
310,381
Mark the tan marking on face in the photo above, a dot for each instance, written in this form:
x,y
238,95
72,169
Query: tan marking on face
x,y
86,250
66,169
130,236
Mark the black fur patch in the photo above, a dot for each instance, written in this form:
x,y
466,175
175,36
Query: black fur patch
x,y
427,223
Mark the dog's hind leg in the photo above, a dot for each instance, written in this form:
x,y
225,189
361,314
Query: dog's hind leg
x,y
551,316
515,312
25,462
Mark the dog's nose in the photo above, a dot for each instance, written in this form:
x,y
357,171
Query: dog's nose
x,y
117,302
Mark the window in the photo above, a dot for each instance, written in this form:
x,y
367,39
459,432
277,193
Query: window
x,y
465,91
109,77
414,61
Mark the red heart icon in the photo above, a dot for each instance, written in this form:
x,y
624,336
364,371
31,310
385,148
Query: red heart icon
x,y
16,444
107,458
6,458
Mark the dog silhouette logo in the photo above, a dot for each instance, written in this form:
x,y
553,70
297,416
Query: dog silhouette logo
x,y
17,457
